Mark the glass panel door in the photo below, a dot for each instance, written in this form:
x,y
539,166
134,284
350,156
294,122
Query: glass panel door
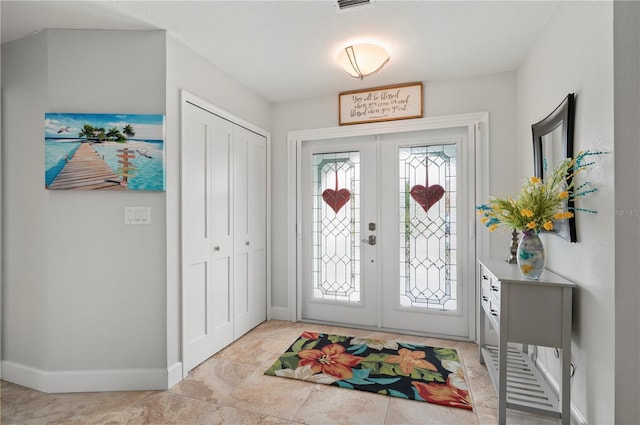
x,y
338,272
425,273
428,239
382,243
336,226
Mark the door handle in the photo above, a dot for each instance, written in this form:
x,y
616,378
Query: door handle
x,y
371,241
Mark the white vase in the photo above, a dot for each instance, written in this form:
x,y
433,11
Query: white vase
x,y
530,255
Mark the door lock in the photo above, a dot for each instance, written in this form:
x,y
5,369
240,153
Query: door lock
x,y
371,241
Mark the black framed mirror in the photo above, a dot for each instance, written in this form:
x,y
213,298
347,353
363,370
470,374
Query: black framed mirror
x,y
552,143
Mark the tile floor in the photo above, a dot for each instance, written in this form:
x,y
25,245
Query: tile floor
x,y
230,388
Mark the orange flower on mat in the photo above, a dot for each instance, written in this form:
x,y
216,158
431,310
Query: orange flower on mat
x,y
331,359
310,335
408,360
447,395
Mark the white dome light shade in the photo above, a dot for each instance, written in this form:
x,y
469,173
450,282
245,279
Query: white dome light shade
x,y
362,60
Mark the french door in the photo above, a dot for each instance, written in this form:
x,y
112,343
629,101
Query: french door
x,y
383,237
340,272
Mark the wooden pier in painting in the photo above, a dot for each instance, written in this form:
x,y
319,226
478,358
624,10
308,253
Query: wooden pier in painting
x,y
87,170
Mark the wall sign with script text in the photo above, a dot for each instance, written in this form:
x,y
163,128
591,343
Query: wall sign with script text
x,y
397,102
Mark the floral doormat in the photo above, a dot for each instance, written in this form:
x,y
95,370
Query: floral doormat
x,y
391,368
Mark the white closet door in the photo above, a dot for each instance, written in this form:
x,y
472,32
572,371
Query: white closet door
x,y
250,202
207,152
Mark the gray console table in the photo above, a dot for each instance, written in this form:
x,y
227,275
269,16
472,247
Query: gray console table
x,y
527,312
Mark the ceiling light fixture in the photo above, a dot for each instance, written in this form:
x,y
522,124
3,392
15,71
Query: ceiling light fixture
x,y
362,60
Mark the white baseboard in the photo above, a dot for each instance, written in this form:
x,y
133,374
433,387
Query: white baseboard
x,y
280,313
91,380
576,416
174,374
24,375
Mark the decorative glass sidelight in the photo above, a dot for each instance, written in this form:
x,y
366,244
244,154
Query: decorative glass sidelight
x,y
428,245
336,226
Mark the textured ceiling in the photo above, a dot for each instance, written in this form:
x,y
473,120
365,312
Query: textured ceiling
x,y
286,50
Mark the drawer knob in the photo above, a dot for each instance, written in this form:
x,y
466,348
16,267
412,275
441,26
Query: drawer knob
x,y
485,277
494,288
494,313
485,298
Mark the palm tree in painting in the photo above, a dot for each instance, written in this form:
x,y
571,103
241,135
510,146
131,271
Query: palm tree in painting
x,y
128,131
87,131
99,133
114,134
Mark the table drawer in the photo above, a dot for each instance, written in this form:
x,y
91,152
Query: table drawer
x,y
489,304
490,296
490,285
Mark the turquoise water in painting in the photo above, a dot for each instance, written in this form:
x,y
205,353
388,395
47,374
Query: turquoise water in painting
x,y
56,153
149,162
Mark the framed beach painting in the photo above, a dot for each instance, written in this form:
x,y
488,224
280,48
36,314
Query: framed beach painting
x,y
104,151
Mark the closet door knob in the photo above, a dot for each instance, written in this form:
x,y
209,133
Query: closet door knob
x,y
247,243
216,248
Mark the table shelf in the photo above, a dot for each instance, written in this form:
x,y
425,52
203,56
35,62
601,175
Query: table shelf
x,y
527,390
525,312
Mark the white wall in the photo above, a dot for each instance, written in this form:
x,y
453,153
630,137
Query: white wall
x,y
627,208
575,54
493,93
186,70
106,279
24,86
1,256
84,292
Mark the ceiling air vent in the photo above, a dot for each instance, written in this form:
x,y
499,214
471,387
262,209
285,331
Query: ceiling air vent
x,y
348,5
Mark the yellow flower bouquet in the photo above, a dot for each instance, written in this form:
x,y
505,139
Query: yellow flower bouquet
x,y
541,202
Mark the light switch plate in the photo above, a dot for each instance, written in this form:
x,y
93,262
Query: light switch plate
x,y
137,215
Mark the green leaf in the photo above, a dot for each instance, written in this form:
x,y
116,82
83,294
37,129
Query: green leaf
x,y
373,366
376,357
428,375
337,338
303,344
290,362
276,366
389,370
297,346
446,353
312,344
